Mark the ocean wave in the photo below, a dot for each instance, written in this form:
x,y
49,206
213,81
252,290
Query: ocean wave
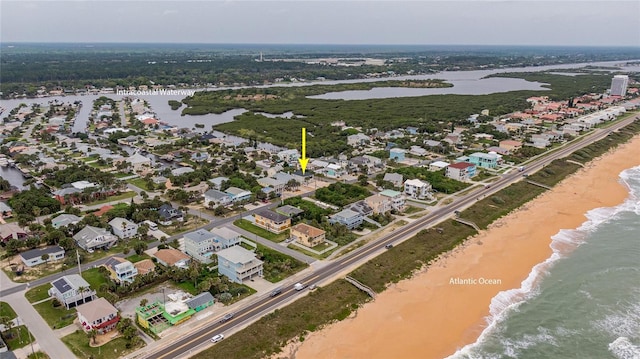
x,y
623,348
624,322
563,242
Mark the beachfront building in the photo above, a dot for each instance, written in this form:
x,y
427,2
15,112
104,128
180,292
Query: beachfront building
x,y
200,301
123,228
416,188
98,314
239,264
72,290
619,85
348,217
272,221
42,255
461,171
378,203
307,235
396,198
485,160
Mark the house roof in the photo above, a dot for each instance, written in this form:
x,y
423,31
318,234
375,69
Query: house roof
x,y
38,252
170,256
225,233
273,216
347,213
113,262
5,207
117,222
70,282
215,194
145,266
308,230
66,219
289,210
199,236
390,193
235,191
199,300
237,254
96,309
11,230
393,177
461,165
89,233
137,158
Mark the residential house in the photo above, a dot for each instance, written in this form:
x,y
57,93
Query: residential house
x,y
278,186
272,221
397,154
510,145
199,156
168,214
121,270
307,235
5,210
432,143
11,231
98,314
289,211
438,165
123,228
200,301
216,183
225,238
200,244
214,197
362,208
34,257
289,156
418,151
91,238
397,199
172,257
358,139
485,160
238,194
349,218
64,220
334,170
461,171
181,171
72,290
239,264
138,162
63,194
378,203
145,266
416,188
395,178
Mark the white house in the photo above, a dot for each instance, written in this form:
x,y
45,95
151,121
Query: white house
x,y
34,257
416,188
123,228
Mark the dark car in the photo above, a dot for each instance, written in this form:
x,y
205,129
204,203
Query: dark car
x,y
275,292
226,317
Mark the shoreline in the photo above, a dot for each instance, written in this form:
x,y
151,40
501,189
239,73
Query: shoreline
x,y
440,310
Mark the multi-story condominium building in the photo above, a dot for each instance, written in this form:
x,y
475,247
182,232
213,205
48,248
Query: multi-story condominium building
x,y
619,85
416,188
123,228
461,171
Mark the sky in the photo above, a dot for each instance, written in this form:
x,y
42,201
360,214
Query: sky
x,y
422,22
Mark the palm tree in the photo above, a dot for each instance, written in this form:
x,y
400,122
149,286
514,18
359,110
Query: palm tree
x,y
82,290
92,334
45,258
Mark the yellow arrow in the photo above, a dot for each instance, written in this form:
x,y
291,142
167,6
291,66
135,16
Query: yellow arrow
x,y
304,160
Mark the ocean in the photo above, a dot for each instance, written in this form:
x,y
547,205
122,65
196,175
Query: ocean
x,y
582,302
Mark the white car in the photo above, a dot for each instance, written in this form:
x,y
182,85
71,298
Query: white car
x,y
216,338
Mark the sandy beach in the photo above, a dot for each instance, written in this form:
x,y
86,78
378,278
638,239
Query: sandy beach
x,y
445,307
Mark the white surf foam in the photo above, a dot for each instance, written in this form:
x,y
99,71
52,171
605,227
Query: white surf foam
x,y
623,348
562,243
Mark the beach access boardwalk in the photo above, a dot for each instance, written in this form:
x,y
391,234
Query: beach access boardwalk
x,y
361,286
468,223
538,184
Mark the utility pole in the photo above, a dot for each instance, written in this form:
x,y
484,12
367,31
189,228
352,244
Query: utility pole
x,y
78,257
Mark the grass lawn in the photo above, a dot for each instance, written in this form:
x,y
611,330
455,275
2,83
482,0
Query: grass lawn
x,y
7,311
278,266
311,254
137,257
122,175
248,226
20,337
139,182
94,278
125,195
56,317
191,224
38,355
412,209
187,286
79,345
38,293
